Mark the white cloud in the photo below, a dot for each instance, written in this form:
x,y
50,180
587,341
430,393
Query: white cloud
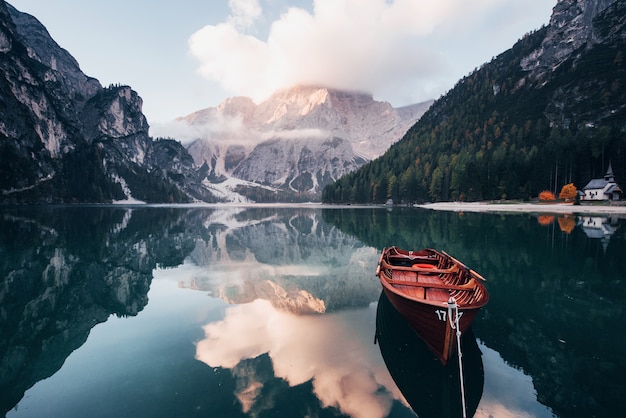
x,y
217,127
348,375
310,133
228,130
400,50
229,57
244,13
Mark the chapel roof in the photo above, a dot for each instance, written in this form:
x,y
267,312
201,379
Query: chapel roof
x,y
596,184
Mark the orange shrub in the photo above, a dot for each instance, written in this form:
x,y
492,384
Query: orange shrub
x,y
546,195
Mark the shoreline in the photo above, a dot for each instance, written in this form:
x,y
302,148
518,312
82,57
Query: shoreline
x,y
548,208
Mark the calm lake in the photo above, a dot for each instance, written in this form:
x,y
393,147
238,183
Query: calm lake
x,y
263,311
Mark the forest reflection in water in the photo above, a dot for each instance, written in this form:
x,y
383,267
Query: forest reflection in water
x,y
249,311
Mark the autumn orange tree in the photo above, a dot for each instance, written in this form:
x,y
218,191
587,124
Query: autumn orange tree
x,y
546,195
568,192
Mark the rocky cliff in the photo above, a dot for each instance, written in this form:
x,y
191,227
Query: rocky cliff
x,y
65,138
570,28
582,38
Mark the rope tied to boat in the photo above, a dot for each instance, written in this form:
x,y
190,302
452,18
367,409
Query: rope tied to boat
x,y
453,308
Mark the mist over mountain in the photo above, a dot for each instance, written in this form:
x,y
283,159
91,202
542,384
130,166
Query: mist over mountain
x,y
547,112
295,142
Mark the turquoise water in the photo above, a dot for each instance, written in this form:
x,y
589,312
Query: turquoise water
x,y
272,311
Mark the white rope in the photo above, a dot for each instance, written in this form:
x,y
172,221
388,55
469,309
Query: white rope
x,y
454,324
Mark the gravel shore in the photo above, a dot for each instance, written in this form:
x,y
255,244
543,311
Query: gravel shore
x,y
525,207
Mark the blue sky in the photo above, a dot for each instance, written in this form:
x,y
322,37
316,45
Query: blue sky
x,y
186,55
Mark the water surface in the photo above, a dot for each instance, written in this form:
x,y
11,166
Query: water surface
x,y
272,311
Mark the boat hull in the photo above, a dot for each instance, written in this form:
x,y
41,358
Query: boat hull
x,y
432,323
422,297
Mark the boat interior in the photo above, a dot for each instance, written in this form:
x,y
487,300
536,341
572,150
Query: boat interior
x,y
428,276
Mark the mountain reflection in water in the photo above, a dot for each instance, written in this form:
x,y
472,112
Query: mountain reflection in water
x,y
256,311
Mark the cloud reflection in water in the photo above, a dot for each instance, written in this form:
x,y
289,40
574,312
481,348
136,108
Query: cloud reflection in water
x,y
335,351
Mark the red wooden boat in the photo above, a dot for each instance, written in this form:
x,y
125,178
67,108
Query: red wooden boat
x,y
434,292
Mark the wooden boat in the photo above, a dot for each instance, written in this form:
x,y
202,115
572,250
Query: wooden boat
x,y
434,292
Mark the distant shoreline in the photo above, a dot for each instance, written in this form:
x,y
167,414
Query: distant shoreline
x,y
524,207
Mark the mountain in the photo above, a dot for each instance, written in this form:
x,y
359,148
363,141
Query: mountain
x,y
298,140
547,112
65,138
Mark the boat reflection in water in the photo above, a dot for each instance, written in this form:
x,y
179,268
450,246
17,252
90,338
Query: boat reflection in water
x,y
431,389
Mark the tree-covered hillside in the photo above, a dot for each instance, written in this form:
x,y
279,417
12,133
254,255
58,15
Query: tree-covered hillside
x,y
504,132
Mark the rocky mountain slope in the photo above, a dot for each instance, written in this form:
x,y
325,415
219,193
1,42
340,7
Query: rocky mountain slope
x,y
298,140
65,138
548,112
